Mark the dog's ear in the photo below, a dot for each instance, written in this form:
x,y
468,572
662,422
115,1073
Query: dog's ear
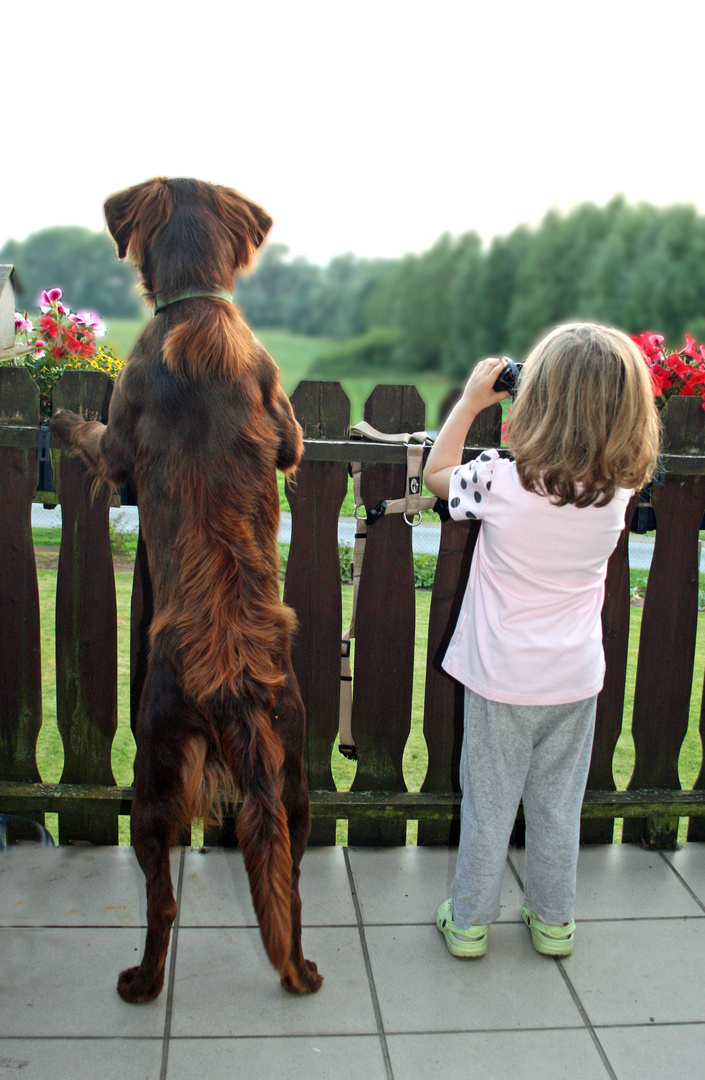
x,y
247,223
147,205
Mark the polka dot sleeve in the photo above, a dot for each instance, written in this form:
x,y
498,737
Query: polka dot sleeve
x,y
470,487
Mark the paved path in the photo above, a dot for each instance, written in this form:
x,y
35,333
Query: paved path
x,y
426,537
628,1005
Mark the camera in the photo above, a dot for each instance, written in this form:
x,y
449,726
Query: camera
x,y
508,379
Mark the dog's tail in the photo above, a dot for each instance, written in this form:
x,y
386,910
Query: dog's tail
x,y
262,828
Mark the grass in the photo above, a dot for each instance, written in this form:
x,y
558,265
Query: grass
x,y
415,761
294,353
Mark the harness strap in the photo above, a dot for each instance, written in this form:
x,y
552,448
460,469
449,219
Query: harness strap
x,y
411,506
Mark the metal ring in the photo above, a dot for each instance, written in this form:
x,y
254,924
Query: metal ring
x,y
413,524
357,516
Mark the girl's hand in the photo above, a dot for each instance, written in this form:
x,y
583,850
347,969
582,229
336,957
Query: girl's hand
x,y
478,393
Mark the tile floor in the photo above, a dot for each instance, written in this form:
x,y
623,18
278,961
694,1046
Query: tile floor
x,y
628,1005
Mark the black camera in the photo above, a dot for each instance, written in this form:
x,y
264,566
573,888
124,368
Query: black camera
x,y
509,377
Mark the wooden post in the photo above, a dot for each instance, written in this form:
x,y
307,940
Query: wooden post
x,y
86,618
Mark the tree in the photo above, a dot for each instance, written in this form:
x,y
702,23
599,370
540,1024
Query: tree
x,y
80,262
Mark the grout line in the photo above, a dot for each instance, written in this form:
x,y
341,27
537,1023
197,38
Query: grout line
x,y
172,971
515,872
368,968
683,882
573,993
586,1020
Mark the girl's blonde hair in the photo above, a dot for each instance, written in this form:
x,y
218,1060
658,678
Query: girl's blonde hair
x,y
584,421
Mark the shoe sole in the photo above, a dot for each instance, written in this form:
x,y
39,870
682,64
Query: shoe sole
x,y
545,945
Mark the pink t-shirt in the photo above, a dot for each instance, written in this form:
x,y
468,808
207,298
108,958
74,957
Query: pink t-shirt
x,y
530,629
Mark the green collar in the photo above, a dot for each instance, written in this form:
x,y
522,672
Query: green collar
x,y
161,300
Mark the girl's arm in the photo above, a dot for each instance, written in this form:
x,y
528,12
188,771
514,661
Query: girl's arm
x,y
447,451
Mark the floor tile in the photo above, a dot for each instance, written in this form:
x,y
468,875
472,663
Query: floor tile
x,y
63,982
479,1055
355,1057
73,886
80,1059
622,881
655,1052
689,861
651,971
216,890
421,987
226,986
406,885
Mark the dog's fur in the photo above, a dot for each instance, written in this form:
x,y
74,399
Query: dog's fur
x,y
199,423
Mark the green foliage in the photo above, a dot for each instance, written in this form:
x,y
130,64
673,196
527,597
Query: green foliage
x,y
80,262
370,353
633,266
121,540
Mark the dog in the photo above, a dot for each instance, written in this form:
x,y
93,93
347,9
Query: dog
x,y
199,423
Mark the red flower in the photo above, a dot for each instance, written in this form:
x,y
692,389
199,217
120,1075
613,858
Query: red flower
x,y
49,326
690,348
649,343
661,379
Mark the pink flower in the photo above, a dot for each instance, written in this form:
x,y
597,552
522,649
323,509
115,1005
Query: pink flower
x,y
22,325
51,296
90,321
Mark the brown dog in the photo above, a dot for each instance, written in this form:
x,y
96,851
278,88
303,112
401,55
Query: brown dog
x,y
199,423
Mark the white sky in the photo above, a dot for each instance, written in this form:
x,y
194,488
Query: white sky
x,y
370,127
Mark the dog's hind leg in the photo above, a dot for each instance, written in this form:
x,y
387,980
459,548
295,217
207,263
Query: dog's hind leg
x,y
288,721
254,753
159,809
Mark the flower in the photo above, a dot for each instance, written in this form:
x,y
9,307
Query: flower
x,y
88,319
679,373
63,340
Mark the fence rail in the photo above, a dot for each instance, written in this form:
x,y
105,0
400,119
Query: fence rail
x,y
378,807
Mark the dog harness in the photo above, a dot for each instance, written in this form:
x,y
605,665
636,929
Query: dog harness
x,y
411,506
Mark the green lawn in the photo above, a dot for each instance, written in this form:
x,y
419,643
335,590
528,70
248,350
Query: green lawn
x,y
294,353
50,751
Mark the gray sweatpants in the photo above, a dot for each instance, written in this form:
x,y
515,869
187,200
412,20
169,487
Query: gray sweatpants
x,y
538,753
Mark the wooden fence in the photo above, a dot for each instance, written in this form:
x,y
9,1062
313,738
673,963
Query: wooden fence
x,y
378,807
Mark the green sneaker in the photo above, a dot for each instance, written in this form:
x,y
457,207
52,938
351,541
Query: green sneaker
x,y
549,940
464,943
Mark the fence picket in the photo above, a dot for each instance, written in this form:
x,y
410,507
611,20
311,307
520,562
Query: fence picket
x,y
610,703
86,620
385,626
20,652
444,697
312,584
669,625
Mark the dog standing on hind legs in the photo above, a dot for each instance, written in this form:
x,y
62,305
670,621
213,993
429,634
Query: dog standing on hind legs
x,y
199,423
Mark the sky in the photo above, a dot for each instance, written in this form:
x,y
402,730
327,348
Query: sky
x,y
370,127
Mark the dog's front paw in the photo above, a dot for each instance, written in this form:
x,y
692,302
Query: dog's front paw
x,y
63,423
305,981
135,986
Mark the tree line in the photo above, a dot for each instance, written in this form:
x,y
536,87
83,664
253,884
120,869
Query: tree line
x,y
80,262
633,266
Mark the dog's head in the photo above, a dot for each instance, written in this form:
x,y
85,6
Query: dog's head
x,y
185,233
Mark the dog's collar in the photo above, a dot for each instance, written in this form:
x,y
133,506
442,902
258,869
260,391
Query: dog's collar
x,y
162,300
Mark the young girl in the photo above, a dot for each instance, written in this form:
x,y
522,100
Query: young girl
x,y
584,432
